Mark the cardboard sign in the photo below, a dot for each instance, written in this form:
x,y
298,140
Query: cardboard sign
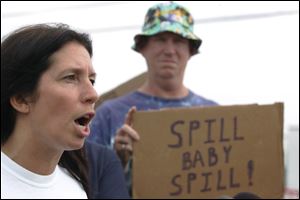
x,y
209,152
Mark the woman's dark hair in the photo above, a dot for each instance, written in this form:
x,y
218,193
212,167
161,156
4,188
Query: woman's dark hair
x,y
25,56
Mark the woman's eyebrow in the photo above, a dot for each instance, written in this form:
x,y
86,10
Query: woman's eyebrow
x,y
77,70
93,74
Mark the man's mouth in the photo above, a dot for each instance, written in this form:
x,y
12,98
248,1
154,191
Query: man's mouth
x,y
168,61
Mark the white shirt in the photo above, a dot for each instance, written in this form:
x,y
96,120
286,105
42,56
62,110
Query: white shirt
x,y
18,182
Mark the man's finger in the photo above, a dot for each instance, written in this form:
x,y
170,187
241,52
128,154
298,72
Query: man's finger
x,y
130,132
129,116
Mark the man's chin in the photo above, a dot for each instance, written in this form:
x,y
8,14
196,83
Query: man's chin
x,y
167,75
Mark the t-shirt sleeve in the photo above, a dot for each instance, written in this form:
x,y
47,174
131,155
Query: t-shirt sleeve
x,y
107,176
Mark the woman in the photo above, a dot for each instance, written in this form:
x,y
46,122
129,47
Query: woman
x,y
47,102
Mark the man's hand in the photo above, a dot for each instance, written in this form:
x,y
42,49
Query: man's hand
x,y
124,138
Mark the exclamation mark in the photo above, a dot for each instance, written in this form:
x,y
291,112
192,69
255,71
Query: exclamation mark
x,y
250,171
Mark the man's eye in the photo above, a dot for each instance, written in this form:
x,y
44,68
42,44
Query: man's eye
x,y
159,39
180,40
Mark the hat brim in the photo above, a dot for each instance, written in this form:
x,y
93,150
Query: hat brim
x,y
195,40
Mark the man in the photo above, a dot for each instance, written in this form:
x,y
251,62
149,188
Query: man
x,y
167,43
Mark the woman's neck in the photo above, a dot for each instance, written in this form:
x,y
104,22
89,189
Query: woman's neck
x,y
31,155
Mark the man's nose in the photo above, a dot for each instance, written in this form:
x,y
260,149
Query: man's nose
x,y
169,47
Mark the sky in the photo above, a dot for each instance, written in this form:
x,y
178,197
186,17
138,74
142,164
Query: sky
x,y
250,50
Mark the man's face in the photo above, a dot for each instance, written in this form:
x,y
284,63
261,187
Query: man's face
x,y
166,55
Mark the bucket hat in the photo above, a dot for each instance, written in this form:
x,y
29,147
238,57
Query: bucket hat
x,y
168,17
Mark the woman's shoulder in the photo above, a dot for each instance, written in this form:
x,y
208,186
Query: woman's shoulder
x,y
106,173
99,153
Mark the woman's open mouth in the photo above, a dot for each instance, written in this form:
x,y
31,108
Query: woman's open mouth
x,y
82,123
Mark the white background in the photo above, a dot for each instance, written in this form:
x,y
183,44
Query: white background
x,y
250,51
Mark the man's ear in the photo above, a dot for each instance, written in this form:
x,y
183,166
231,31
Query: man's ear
x,y
20,104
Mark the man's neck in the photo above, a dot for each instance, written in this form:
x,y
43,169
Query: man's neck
x,y
164,91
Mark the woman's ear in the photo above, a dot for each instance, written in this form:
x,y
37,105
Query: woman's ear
x,y
20,104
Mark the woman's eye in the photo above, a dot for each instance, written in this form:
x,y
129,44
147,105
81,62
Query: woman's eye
x,y
92,81
71,77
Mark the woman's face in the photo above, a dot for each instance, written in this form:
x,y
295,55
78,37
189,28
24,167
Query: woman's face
x,y
64,106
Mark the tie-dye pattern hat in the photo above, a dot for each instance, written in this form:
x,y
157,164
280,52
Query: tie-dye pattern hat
x,y
168,17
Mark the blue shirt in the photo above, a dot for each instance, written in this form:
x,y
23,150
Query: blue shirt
x,y
105,172
111,114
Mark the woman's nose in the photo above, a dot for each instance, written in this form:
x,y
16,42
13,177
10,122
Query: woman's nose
x,y
90,95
